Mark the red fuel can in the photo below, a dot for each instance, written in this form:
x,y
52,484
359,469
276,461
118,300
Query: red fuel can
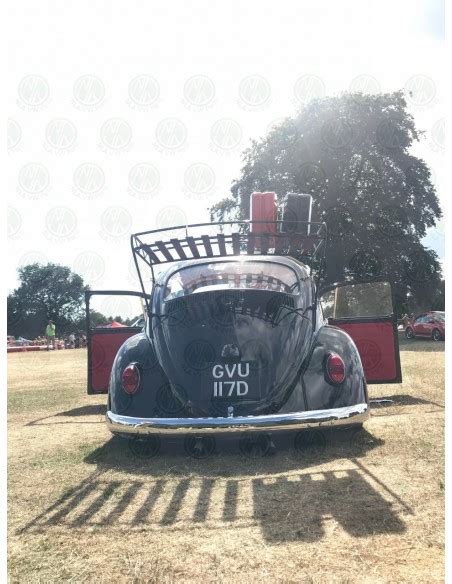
x,y
263,208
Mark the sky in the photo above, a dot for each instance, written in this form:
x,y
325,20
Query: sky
x,y
135,116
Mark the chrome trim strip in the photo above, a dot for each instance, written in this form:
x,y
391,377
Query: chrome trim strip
x,y
356,414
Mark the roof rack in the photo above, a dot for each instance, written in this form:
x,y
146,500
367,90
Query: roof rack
x,y
306,242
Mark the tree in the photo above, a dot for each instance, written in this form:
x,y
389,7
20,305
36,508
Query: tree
x,y
352,154
45,292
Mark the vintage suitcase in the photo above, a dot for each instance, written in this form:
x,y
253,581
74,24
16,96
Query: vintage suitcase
x,y
263,208
297,214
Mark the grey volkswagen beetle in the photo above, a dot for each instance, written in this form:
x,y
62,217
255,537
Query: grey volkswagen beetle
x,y
238,336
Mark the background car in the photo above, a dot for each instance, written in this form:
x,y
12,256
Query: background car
x,y
429,324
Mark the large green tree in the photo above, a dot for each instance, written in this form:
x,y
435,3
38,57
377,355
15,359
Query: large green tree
x,y
45,292
352,153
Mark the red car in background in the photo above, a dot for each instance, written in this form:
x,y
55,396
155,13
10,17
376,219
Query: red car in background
x,y
430,324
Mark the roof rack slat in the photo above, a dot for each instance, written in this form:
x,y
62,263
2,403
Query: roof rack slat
x,y
164,250
152,256
207,245
236,243
193,247
251,244
221,244
180,250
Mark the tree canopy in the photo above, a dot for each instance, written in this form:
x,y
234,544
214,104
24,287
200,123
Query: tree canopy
x,y
45,292
352,154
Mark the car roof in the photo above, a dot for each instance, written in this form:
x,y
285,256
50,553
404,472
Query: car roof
x,y
300,269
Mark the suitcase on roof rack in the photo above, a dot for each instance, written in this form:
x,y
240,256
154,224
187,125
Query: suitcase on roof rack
x,y
297,214
263,208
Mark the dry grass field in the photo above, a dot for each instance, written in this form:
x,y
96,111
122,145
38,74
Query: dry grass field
x,y
86,507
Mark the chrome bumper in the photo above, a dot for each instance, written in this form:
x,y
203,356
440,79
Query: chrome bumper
x,y
356,414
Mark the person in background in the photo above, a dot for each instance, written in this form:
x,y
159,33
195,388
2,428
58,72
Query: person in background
x,y
50,334
72,341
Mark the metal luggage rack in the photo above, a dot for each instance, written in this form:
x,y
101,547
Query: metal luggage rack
x,y
228,239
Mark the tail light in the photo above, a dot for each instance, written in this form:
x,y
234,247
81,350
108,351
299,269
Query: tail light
x,y
334,369
131,379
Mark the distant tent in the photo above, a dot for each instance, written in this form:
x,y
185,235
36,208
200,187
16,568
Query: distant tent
x,y
113,324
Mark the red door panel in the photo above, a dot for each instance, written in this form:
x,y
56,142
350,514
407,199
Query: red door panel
x,y
377,343
102,349
104,342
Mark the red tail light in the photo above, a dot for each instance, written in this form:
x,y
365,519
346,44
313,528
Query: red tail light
x,y
131,379
335,369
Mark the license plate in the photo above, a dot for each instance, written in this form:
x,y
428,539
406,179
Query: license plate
x,y
238,381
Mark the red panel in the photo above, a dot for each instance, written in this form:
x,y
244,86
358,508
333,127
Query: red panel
x,y
104,346
263,208
377,348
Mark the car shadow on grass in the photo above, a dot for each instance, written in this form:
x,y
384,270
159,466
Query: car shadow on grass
x,y
291,496
88,410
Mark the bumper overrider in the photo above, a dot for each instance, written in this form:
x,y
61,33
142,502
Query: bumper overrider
x,y
356,414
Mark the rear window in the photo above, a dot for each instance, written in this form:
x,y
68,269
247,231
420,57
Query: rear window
x,y
237,275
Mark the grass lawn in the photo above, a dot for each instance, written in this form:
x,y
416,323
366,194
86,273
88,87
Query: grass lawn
x,y
86,507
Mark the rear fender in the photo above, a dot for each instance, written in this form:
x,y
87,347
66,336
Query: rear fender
x,y
319,393
154,396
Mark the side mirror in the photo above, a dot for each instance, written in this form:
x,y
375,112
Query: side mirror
x,y
354,300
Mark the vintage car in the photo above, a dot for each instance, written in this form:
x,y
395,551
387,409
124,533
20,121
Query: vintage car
x,y
238,337
429,324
